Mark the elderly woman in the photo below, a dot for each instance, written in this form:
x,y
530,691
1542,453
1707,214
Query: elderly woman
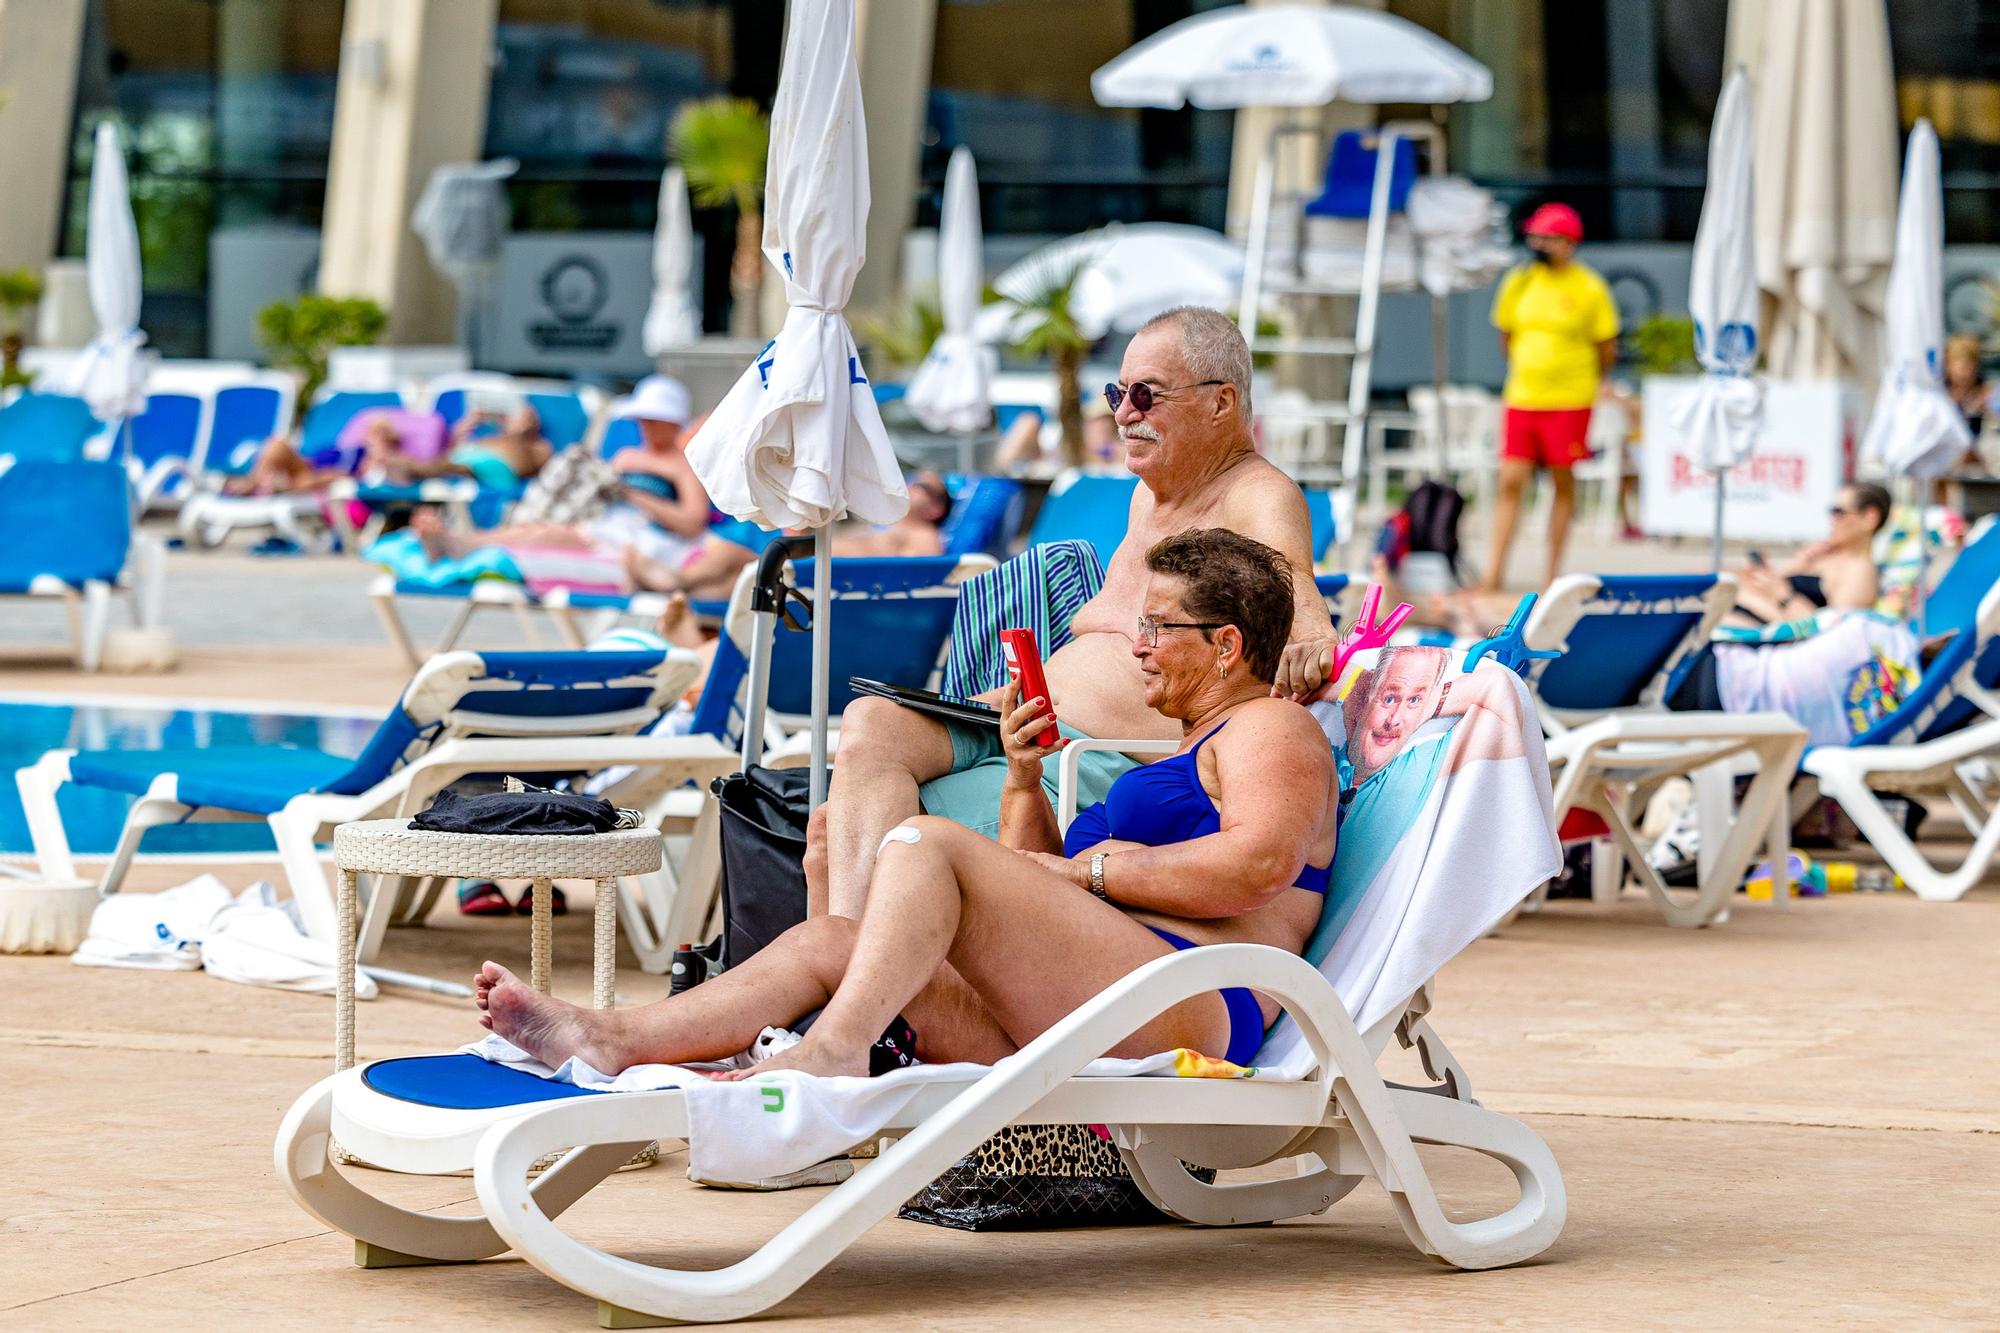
x,y
981,946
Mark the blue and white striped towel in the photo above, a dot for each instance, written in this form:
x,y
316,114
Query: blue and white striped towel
x,y
1040,589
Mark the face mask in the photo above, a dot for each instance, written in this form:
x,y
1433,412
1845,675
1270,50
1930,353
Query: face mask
x,y
1536,254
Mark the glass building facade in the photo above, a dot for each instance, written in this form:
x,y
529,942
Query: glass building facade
x,y
226,108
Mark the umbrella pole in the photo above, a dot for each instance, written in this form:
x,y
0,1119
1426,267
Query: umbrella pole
x,y
822,661
1721,484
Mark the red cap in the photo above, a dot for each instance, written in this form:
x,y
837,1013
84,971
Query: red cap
x,y
1554,220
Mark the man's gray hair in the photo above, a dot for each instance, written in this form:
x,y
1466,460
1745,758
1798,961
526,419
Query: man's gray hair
x,y
1211,346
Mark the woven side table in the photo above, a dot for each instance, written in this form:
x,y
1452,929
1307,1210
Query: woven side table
x,y
392,847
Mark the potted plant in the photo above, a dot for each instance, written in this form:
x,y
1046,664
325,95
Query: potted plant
x,y
721,144
902,337
1044,327
301,334
1663,345
20,289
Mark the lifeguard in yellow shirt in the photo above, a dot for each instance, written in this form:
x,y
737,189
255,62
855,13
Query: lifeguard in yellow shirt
x,y
1559,331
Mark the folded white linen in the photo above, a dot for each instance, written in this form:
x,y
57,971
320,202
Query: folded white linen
x,y
156,931
251,938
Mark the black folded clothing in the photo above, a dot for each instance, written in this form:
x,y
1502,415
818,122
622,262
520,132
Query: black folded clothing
x,y
530,811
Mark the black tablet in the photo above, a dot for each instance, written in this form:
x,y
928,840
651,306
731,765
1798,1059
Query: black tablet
x,y
968,711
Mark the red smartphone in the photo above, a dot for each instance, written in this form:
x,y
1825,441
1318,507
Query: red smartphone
x,y
1024,663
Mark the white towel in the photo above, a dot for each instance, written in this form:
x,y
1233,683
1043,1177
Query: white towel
x,y
161,932
250,937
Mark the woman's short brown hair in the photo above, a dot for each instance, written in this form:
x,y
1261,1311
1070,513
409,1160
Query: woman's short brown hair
x,y
1232,580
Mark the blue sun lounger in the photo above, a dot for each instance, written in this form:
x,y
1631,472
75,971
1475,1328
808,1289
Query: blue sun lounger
x,y
462,713
1935,741
83,548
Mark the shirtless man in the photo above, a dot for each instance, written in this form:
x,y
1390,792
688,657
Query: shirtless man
x,y
1191,449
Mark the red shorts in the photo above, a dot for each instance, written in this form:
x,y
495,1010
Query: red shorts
x,y
1550,437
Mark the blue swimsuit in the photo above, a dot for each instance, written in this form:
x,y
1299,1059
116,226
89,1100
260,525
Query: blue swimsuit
x,y
1161,804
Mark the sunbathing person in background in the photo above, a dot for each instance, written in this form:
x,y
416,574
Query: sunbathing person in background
x,y
281,469
646,503
710,572
1838,573
980,946
501,460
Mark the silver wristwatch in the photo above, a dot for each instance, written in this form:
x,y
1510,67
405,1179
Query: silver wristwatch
x,y
1097,875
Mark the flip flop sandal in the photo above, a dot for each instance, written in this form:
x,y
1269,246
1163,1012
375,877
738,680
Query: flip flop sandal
x,y
482,897
558,905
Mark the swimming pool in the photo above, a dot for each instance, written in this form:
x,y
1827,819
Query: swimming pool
x,y
31,726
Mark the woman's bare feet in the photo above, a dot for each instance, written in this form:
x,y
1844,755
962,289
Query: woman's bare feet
x,y
648,575
677,624
549,1029
813,1055
428,524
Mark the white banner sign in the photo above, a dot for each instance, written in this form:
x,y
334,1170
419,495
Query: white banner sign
x,y
1803,453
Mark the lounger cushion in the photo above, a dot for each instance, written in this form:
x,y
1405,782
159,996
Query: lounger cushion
x,y
256,779
464,1083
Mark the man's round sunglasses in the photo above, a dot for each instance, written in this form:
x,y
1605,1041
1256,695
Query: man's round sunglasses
x,y
1144,395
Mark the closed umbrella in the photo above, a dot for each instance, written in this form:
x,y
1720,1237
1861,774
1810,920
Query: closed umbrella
x,y
1915,429
1290,55
111,374
798,442
673,319
1826,164
462,219
950,391
1720,422
1130,274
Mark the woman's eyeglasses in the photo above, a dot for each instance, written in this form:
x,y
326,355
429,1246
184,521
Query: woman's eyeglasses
x,y
1144,395
1149,628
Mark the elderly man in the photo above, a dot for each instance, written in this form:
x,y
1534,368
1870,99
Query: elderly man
x,y
1183,411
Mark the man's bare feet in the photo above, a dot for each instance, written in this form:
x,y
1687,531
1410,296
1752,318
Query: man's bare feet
x,y
648,575
813,1055
549,1029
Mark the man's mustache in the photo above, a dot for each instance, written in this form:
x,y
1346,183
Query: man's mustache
x,y
1138,430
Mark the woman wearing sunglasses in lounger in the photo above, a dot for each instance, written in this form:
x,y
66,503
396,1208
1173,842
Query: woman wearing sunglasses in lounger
x,y
980,945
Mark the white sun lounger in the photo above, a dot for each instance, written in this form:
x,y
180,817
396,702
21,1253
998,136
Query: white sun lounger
x,y
1317,1100
1929,744
1611,743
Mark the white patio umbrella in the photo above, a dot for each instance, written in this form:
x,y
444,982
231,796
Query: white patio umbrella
x,y
673,319
1721,420
1826,178
951,391
111,374
1915,429
798,442
1290,55
462,219
1131,273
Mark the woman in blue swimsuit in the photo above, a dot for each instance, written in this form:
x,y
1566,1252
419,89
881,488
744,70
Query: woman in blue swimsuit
x,y
982,946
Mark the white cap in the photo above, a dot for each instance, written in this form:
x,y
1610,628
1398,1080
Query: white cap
x,y
657,398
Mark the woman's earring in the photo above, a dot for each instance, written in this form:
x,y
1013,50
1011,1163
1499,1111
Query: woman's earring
x,y
1221,669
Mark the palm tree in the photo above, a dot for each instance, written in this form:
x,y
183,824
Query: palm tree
x,y
721,143
1044,327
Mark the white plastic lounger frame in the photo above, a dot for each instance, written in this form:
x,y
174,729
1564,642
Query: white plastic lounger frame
x,y
1610,762
1344,1121
1855,775
540,746
1344,1124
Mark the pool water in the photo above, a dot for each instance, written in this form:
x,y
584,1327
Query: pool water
x,y
93,817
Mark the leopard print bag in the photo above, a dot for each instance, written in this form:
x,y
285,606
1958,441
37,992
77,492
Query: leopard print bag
x,y
1029,1176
